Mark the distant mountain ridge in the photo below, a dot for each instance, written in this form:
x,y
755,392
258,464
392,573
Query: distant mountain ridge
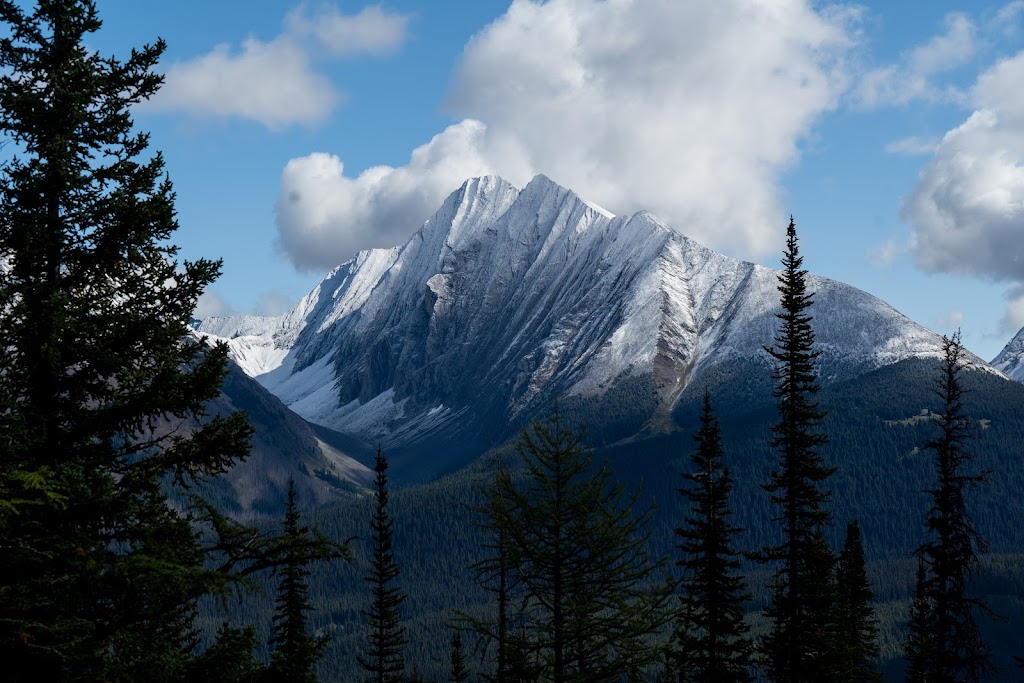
x,y
1011,359
506,299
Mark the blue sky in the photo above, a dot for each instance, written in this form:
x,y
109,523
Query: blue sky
x,y
297,133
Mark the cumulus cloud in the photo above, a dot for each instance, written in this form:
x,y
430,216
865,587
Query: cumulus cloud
x,y
913,77
373,31
1013,318
967,208
690,110
324,216
275,83
270,83
211,304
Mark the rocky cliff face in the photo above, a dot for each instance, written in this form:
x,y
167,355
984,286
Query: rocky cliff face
x,y
1011,359
507,299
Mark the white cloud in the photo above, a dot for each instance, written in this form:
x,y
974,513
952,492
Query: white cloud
x,y
1007,19
275,83
324,216
373,31
274,302
690,110
951,320
967,208
270,83
884,254
211,304
913,77
912,146
1013,318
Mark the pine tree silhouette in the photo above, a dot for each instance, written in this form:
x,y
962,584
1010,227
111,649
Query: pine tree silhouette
x,y
383,658
797,648
712,643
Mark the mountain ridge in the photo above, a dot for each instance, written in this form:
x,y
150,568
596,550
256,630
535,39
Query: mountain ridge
x,y
506,299
1011,359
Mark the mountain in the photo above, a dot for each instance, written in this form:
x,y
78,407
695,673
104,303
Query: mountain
x,y
1011,359
283,446
877,424
507,299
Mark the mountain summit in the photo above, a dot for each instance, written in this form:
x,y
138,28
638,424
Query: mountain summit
x,y
1011,359
507,299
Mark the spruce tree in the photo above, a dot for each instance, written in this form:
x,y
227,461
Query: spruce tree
x,y
230,659
579,553
797,647
951,553
458,672
295,651
712,643
494,574
919,645
856,629
102,389
383,658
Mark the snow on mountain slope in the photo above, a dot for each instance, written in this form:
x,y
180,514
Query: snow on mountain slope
x,y
1011,359
507,299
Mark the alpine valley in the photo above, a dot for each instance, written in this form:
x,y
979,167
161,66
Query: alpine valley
x,y
507,301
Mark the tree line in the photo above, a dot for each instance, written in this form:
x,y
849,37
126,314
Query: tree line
x,y
107,553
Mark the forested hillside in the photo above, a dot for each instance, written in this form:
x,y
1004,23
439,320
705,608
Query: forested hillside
x,y
876,424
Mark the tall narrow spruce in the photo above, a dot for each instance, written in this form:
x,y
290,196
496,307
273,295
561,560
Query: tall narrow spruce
x,y
494,574
458,673
797,648
918,645
856,628
712,642
383,658
295,650
951,552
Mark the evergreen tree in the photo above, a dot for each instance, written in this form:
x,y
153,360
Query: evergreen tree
x,y
229,660
459,672
797,647
951,554
581,561
919,646
383,659
295,651
712,643
856,629
668,672
494,575
99,573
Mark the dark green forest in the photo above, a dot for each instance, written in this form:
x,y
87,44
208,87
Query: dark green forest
x,y
876,431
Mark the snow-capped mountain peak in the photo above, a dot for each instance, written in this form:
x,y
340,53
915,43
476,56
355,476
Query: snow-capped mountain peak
x,y
506,299
1011,359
